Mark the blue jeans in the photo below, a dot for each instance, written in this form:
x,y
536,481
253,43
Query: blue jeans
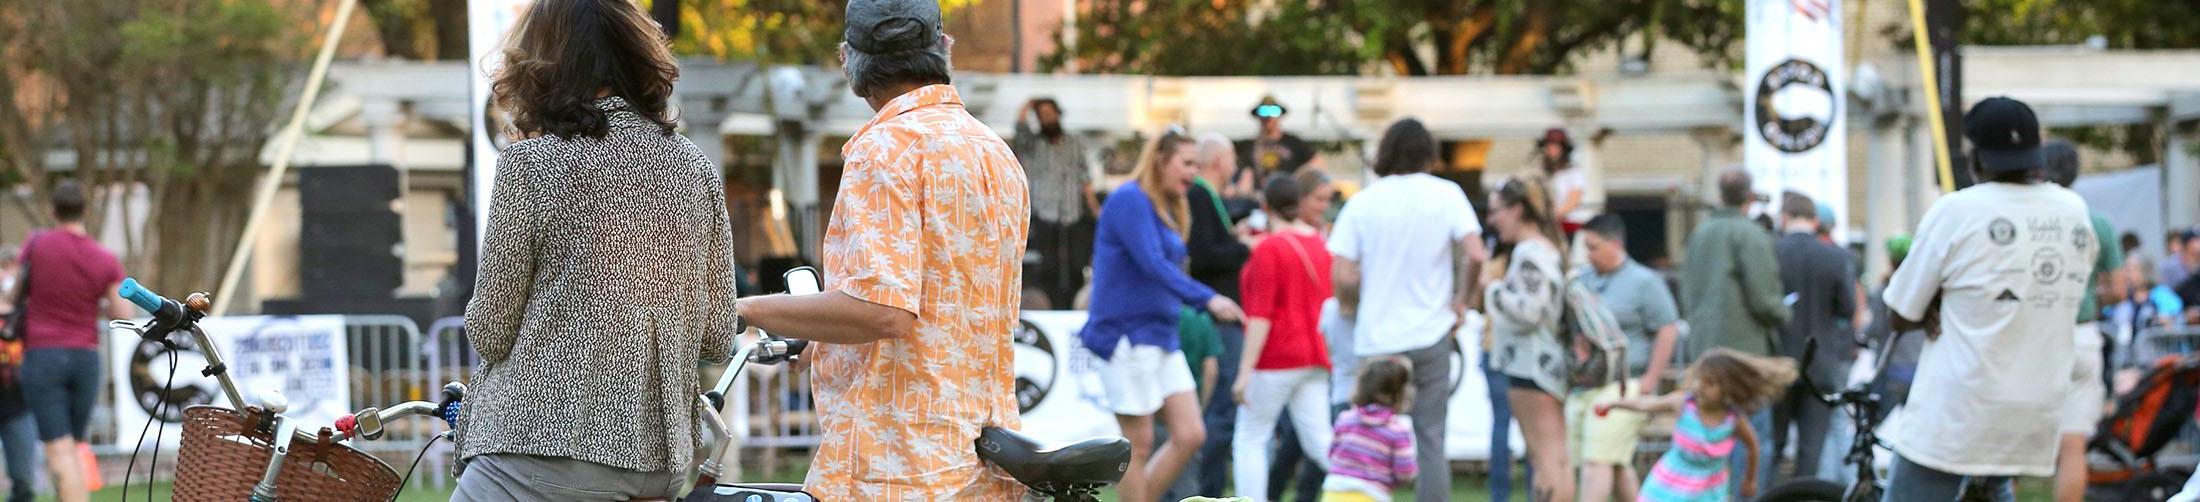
x,y
19,441
1501,457
1762,421
1917,483
59,386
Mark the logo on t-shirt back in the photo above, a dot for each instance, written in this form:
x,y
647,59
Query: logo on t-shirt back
x,y
2002,231
2007,296
2047,266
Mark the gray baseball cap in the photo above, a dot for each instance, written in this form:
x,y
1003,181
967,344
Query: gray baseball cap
x,y
887,26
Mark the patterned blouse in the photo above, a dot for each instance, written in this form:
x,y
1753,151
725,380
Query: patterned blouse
x,y
606,280
930,219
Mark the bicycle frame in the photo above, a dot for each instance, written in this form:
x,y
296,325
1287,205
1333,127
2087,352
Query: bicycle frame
x,y
1861,403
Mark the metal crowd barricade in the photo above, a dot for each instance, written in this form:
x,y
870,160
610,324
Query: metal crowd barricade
x,y
388,366
449,359
771,407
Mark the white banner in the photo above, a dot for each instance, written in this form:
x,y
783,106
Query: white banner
x,y
1794,108
487,22
304,357
1058,387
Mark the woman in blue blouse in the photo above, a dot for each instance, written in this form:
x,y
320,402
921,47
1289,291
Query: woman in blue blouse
x,y
1138,285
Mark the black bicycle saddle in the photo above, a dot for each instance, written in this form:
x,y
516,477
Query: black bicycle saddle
x,y
1091,462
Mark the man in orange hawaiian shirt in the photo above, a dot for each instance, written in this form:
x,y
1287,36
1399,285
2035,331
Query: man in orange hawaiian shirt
x,y
923,269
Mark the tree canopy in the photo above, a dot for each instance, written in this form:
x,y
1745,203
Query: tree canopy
x,y
173,96
1411,37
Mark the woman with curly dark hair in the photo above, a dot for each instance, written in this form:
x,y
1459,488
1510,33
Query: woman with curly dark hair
x,y
606,270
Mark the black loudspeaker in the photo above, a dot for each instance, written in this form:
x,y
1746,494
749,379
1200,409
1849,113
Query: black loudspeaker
x,y
347,188
349,237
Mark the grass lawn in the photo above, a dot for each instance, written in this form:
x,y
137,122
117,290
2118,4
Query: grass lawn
x,y
160,492
1464,488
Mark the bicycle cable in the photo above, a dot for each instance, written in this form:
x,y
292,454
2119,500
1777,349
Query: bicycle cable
x,y
158,402
415,465
165,388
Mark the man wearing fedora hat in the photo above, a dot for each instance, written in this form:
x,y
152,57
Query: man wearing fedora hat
x,y
2005,264
1273,151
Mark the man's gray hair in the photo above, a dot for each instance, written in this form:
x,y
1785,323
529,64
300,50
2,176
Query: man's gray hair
x,y
1212,143
871,73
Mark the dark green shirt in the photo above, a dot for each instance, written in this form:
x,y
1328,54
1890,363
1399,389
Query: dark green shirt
x,y
2110,257
1730,286
1198,339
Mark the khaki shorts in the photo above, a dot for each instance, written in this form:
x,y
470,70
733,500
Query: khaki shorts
x,y
1609,439
2082,406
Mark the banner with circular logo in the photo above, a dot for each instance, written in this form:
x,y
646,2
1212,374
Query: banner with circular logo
x,y
303,357
1794,106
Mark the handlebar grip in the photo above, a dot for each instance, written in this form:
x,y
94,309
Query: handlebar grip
x,y
795,346
454,392
449,412
137,294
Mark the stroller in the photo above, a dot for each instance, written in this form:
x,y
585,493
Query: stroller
x,y
2121,456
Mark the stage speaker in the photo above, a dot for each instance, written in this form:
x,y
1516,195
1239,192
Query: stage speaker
x,y
350,240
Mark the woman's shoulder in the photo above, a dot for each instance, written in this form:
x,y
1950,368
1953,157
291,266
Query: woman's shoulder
x,y
1126,195
532,151
1539,252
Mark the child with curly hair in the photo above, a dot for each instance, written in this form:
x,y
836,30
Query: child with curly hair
x,y
1720,391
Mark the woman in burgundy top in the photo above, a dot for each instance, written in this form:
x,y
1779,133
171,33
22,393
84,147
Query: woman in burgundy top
x,y
66,276
1284,285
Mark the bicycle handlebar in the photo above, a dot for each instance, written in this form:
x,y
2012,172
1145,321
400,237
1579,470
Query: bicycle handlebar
x,y
369,423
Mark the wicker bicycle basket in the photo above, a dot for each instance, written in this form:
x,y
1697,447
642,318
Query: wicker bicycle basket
x,y
224,454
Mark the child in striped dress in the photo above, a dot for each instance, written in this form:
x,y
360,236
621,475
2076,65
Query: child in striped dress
x,y
1372,452
1721,390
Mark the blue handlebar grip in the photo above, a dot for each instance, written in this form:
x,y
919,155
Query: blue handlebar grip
x,y
144,298
450,414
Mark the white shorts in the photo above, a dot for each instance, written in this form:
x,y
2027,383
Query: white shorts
x,y
1140,376
2081,407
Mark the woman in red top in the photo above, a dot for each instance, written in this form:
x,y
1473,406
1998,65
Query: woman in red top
x,y
1284,285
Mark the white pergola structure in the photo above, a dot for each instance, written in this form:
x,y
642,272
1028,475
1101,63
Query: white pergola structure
x,y
376,111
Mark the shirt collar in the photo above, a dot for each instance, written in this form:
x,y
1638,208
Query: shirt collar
x,y
930,95
1622,268
609,103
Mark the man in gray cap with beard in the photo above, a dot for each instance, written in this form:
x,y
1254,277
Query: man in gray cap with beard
x,y
923,267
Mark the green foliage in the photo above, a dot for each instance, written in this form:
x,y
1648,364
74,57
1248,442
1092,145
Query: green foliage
x,y
176,96
1413,37
2126,24
769,31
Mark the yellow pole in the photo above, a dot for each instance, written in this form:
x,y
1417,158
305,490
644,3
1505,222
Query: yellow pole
x,y
284,143
1932,95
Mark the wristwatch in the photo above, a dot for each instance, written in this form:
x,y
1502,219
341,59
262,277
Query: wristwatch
x,y
740,322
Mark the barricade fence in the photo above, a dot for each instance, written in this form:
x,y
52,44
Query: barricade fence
x,y
377,360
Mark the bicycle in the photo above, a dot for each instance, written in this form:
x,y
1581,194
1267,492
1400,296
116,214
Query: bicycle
x,y
1074,472
223,449
1862,404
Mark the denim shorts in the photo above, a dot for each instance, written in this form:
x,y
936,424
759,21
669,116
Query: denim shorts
x,y
59,386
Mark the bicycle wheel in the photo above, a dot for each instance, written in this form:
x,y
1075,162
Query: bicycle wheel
x,y
1804,490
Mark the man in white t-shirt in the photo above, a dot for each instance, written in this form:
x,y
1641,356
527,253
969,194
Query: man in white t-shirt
x,y
2005,262
1405,250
